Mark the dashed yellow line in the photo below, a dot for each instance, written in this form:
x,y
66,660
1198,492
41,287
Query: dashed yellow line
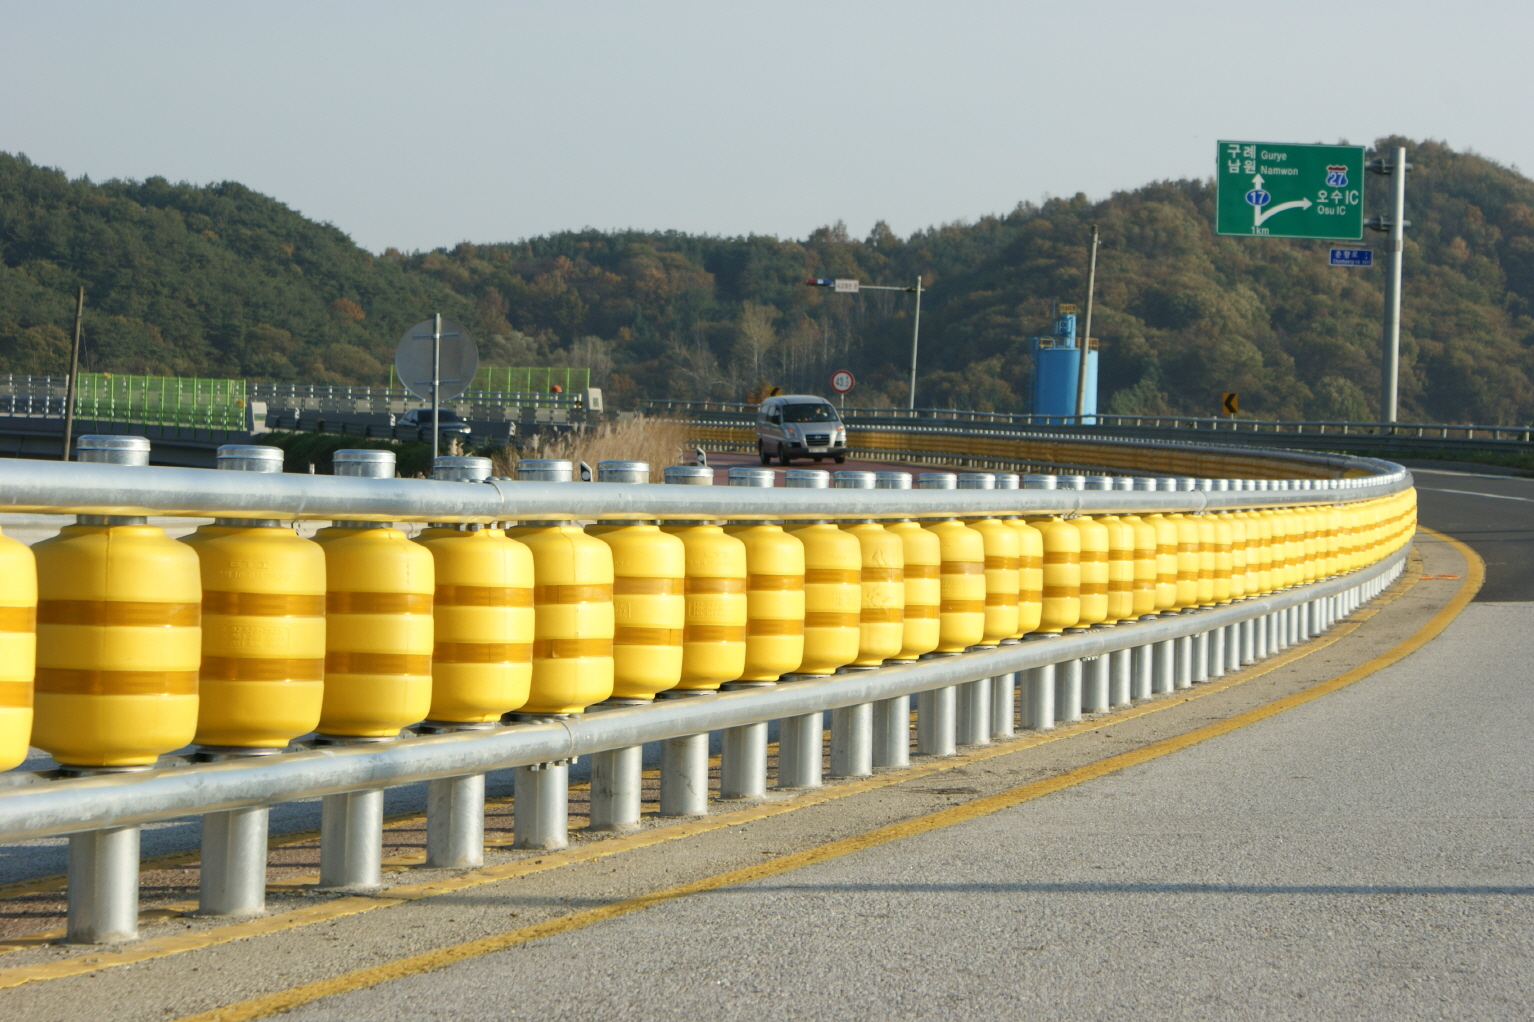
x,y
359,979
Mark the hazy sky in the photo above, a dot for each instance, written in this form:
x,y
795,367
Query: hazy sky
x,y
421,125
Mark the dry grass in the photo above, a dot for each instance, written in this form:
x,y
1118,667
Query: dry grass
x,y
638,439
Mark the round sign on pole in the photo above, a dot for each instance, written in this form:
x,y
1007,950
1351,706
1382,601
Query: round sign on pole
x,y
842,381
413,359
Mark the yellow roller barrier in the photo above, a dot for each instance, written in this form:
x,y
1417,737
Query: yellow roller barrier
x,y
1121,568
714,636
1166,560
1094,570
1062,574
1187,560
923,556
1224,558
1030,576
833,597
961,615
119,643
1003,553
1208,554
573,619
482,623
18,649
649,608
881,619
1145,561
774,601
263,635
378,632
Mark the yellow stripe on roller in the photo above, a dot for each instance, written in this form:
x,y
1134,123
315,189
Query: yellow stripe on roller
x,y
485,596
714,633
774,626
573,594
216,601
704,585
832,576
377,663
638,635
571,649
15,694
482,652
830,619
18,619
627,585
378,603
775,583
132,613
76,682
881,615
962,568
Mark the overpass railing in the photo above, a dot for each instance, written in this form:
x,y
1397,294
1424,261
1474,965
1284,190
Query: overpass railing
x,y
1331,542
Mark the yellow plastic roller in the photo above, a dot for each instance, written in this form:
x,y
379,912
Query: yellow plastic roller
x,y
961,573
649,606
881,618
18,649
774,590
714,637
833,591
118,634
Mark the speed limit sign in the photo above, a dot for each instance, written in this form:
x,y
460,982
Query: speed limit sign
x,y
842,381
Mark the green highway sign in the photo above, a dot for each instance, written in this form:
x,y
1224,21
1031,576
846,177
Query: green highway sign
x,y
1276,190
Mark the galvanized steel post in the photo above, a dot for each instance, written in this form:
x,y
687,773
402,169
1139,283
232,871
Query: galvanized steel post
x,y
351,840
617,776
541,806
455,822
684,776
801,744
892,732
103,886
852,740
232,877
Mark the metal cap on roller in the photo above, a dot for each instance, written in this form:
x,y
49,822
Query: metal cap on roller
x,y
1099,482
762,478
690,475
807,478
1123,482
1204,485
937,481
363,464
461,469
249,458
1040,481
853,480
1072,482
545,470
1263,484
1143,483
1222,485
1186,484
1166,484
892,480
113,450
1007,480
977,481
623,471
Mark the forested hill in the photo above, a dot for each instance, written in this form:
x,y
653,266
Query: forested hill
x,y
223,281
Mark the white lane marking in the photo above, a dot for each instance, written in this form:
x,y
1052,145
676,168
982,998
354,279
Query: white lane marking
x,y
1472,493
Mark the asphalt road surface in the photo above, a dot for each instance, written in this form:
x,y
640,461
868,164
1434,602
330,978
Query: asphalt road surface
x,y
1363,856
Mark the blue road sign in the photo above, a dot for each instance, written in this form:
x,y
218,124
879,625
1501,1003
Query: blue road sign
x,y
1352,257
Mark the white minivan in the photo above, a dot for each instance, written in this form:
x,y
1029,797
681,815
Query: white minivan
x,y
799,426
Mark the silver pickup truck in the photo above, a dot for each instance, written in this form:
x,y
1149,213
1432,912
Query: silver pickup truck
x,y
799,426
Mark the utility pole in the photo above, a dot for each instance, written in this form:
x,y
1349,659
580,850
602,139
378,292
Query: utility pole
x,y
915,336
436,384
1395,223
74,372
1086,336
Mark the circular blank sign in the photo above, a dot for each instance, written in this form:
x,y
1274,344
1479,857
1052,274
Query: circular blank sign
x,y
413,359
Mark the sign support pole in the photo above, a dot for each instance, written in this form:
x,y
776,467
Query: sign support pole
x,y
1086,336
436,384
74,373
1390,386
915,335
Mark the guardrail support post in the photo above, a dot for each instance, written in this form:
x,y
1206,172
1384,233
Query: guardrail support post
x,y
973,712
1120,677
455,822
103,886
852,741
934,722
1184,657
1200,657
1039,698
351,840
233,863
1068,691
1165,673
1216,659
1260,630
800,740
892,732
541,806
1094,684
684,776
616,779
1144,680
1003,705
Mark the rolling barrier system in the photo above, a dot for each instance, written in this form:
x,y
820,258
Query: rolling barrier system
x,y
510,635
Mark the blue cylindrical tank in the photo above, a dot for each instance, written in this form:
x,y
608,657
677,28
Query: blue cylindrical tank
x,y
1056,363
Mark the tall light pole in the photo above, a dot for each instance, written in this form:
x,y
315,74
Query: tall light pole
x,y
1086,336
1395,223
845,285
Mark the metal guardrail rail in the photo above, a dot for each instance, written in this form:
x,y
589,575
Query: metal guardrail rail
x,y
965,698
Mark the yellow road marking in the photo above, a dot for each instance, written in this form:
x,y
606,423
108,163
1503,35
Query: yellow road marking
x,y
401,894
430,961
